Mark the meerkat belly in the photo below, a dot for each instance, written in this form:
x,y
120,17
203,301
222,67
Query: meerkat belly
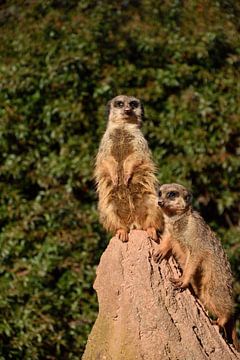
x,y
121,148
121,195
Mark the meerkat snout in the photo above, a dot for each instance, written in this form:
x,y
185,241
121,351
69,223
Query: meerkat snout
x,y
160,202
128,110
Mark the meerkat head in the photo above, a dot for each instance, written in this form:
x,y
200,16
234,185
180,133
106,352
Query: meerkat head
x,y
125,110
174,199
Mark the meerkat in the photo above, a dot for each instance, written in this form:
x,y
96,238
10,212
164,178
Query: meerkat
x,y
125,173
200,255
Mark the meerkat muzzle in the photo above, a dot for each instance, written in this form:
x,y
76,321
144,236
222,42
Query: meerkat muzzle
x,y
128,111
160,203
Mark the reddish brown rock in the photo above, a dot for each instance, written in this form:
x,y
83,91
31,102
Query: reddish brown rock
x,y
141,316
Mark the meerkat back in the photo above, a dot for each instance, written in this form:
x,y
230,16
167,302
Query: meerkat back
x,y
124,172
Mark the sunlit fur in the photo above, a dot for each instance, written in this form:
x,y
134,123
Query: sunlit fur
x,y
124,173
200,255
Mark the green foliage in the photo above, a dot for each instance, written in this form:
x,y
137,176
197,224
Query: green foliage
x,y
61,61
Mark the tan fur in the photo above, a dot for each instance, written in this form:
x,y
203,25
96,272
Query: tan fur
x,y
200,255
124,173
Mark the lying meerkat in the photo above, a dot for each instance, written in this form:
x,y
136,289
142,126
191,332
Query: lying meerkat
x,y
200,255
124,173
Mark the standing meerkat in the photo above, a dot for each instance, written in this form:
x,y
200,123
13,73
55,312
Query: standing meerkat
x,y
124,173
200,255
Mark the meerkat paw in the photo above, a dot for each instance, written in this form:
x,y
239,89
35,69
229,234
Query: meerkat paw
x,y
152,233
178,283
158,256
122,234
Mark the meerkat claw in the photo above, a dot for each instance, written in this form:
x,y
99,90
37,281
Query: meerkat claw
x,y
157,257
152,233
178,284
122,235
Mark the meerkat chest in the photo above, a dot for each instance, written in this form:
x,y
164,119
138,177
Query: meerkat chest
x,y
180,229
178,240
122,144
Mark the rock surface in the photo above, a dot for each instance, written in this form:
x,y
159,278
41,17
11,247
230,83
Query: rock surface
x,y
141,316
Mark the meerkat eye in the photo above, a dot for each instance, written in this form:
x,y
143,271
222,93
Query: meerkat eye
x,y
134,104
160,193
118,104
172,195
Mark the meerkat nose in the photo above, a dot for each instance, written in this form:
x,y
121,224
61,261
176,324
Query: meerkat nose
x,y
160,203
127,110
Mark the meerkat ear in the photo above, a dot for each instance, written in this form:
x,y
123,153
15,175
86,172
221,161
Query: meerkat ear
x,y
108,108
142,111
188,198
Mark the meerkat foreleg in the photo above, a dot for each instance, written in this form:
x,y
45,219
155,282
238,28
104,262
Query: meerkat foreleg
x,y
129,165
190,268
109,166
164,248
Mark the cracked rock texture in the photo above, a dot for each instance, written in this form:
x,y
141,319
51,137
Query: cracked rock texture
x,y
141,316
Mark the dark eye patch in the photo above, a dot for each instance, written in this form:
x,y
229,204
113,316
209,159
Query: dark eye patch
x,y
172,195
160,193
134,104
118,104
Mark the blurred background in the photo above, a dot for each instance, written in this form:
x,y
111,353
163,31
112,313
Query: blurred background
x,y
60,62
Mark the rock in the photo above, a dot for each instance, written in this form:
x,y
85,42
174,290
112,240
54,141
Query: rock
x,y
141,316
